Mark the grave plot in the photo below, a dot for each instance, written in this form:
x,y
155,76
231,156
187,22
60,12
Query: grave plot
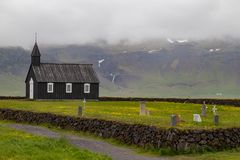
x,y
148,113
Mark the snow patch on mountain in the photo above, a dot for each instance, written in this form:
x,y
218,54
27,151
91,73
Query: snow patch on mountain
x,y
170,40
182,41
214,50
154,51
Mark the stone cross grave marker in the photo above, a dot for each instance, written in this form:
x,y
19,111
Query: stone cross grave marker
x,y
197,118
214,110
142,107
204,109
143,111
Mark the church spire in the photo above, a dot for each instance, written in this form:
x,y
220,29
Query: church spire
x,y
35,55
35,37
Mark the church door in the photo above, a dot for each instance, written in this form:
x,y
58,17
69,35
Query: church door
x,y
31,88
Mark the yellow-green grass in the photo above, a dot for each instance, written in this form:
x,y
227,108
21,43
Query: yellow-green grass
x,y
129,112
17,145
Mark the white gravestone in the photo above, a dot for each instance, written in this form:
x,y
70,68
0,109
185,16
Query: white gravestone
x,y
197,118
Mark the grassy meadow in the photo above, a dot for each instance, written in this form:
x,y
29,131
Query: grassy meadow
x,y
17,145
129,112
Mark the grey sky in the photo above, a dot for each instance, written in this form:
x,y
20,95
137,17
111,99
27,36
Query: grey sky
x,y
80,21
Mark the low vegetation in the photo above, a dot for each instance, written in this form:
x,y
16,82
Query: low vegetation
x,y
16,145
128,112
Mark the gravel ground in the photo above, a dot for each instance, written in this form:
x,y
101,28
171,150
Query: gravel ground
x,y
116,153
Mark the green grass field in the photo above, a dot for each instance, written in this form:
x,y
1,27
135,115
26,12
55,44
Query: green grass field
x,y
120,111
16,145
129,112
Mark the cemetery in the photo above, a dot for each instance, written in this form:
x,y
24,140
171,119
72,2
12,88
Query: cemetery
x,y
151,113
178,126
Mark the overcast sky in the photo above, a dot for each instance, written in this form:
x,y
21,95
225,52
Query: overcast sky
x,y
81,21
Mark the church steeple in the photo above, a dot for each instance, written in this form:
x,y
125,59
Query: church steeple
x,y
35,55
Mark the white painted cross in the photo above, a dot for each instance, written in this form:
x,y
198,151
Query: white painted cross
x,y
214,109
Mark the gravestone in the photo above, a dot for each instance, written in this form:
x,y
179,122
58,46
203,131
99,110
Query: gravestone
x,y
143,111
204,109
216,119
197,118
142,107
80,111
173,120
214,110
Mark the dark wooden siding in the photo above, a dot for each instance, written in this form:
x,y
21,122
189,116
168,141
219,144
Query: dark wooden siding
x,y
60,91
36,60
27,89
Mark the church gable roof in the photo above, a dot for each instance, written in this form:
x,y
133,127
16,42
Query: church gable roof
x,y
73,73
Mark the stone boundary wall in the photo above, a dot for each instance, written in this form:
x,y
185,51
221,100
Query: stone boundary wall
x,y
140,135
231,102
11,97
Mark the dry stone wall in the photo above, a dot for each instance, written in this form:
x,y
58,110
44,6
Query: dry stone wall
x,y
232,102
140,135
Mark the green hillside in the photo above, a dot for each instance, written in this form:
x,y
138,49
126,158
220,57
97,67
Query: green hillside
x,y
12,85
208,68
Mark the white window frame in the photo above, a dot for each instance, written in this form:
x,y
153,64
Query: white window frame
x,y
48,87
69,84
87,86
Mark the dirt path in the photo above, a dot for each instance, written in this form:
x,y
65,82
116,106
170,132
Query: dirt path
x,y
116,153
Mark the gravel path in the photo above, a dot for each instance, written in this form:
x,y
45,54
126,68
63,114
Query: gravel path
x,y
116,153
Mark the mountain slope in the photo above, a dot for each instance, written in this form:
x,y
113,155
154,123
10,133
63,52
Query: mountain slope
x,y
208,68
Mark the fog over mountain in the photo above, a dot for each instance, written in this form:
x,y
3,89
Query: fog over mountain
x,y
83,21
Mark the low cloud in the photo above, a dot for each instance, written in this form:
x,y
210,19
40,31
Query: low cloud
x,y
82,21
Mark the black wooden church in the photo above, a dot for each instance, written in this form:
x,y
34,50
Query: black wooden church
x,y
60,81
